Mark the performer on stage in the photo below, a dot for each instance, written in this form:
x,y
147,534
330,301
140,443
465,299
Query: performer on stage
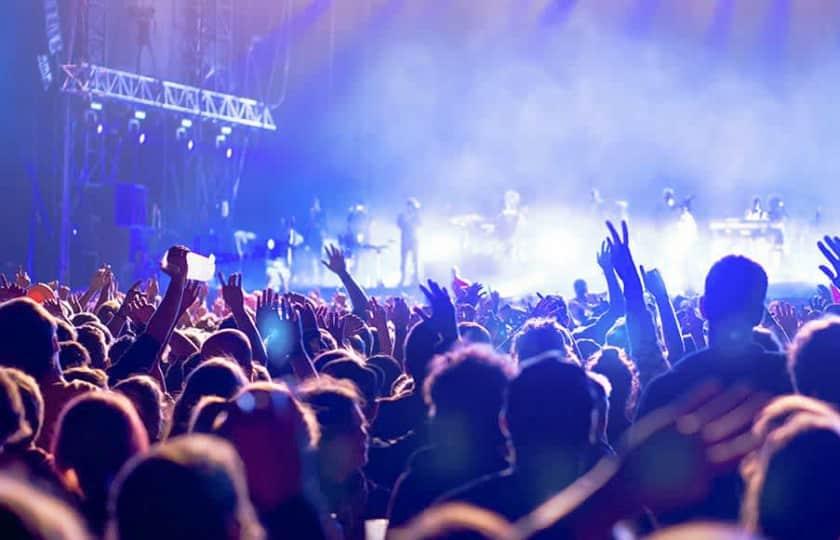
x,y
409,224
755,212
508,221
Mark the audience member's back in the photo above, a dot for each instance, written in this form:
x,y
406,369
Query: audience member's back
x,y
733,304
548,414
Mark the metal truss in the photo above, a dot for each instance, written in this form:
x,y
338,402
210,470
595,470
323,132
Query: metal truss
x,y
106,83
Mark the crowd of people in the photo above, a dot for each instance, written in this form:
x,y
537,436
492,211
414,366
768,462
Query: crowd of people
x,y
192,412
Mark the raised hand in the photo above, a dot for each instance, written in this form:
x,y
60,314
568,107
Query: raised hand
x,y
140,310
399,314
191,293
176,262
335,261
830,248
75,304
470,295
54,308
619,246
351,326
604,257
785,316
232,291
443,317
131,295
22,279
653,282
63,293
8,291
152,289
268,314
100,278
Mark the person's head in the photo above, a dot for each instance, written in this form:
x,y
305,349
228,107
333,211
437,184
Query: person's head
x,y
814,360
363,377
92,338
27,513
107,310
71,354
188,487
796,478
214,377
65,331
118,347
146,396
614,364
85,317
96,377
344,436
581,288
465,393
420,347
33,404
265,420
733,301
13,424
27,338
550,404
474,333
390,369
97,433
229,344
538,336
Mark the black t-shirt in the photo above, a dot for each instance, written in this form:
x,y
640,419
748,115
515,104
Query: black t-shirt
x,y
752,366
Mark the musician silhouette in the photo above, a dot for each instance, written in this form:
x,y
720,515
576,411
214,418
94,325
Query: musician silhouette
x,y
409,224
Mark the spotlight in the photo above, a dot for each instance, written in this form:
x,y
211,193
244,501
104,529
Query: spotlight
x,y
142,138
99,129
186,123
226,130
220,140
95,105
190,144
270,244
229,153
140,115
133,125
180,133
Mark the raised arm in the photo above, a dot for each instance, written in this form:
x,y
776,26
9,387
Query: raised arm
x,y
670,327
144,353
337,264
644,345
235,299
598,329
115,325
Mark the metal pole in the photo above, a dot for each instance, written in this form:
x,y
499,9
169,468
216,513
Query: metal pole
x,y
66,185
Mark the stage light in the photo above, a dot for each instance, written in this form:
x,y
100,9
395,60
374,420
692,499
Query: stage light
x,y
190,144
226,130
142,138
180,133
220,140
229,153
270,244
95,105
140,115
133,125
186,123
99,129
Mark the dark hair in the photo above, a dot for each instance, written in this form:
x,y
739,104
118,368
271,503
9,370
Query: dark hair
x,y
420,348
82,318
390,369
795,481
334,402
214,377
96,377
65,331
29,513
538,336
550,402
735,289
118,347
814,360
325,357
613,363
472,332
71,354
13,424
229,343
33,403
189,487
97,434
27,337
354,371
92,338
146,396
